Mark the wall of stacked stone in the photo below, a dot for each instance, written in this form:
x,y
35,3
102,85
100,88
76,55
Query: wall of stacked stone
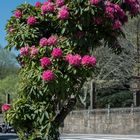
x,y
104,121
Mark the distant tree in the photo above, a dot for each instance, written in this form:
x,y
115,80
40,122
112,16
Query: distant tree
x,y
111,77
8,63
8,85
8,74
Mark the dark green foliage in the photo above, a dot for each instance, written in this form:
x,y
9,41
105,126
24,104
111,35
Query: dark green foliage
x,y
115,97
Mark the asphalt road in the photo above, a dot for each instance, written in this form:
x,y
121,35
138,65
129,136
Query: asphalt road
x,y
10,136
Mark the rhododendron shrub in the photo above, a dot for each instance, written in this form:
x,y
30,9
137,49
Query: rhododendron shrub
x,y
54,40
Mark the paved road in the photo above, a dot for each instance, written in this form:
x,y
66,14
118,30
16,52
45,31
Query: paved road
x,y
82,137
101,137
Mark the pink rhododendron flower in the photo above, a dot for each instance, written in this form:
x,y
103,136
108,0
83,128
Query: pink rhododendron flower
x,y
109,12
134,6
131,1
6,107
43,42
31,20
24,51
38,4
88,60
108,3
59,3
52,40
74,60
68,56
135,9
18,14
45,62
63,13
57,52
47,7
48,75
33,51
11,30
117,24
94,2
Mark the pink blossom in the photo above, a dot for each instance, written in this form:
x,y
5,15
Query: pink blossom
x,y
117,24
119,11
43,42
6,107
11,30
74,60
59,3
108,3
88,60
134,9
94,2
47,7
24,51
52,40
134,6
117,7
31,20
45,62
63,13
38,4
18,14
130,1
109,12
33,51
48,76
57,52
68,56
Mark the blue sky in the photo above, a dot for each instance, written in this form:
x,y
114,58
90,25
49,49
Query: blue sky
x,y
6,8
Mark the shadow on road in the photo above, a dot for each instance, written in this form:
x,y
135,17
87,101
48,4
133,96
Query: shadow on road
x,y
8,137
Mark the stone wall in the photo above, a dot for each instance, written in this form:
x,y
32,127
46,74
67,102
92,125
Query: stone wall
x,y
105,121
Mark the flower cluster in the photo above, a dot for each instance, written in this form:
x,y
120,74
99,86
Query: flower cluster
x,y
38,4
43,42
116,14
31,20
52,40
45,62
33,51
133,6
74,60
18,14
88,60
47,7
57,52
48,75
94,2
63,13
24,51
6,107
77,60
59,3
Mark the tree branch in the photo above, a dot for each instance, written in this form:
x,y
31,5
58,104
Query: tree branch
x,y
65,110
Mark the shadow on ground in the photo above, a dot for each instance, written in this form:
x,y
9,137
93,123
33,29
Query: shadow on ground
x,y
8,137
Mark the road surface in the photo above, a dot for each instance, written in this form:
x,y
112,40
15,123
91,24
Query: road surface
x,y
10,136
101,137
